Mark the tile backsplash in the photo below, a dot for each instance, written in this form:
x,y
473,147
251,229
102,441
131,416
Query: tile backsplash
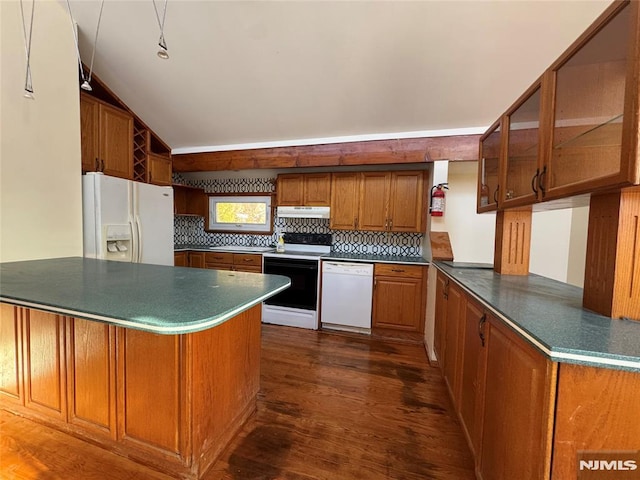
x,y
190,230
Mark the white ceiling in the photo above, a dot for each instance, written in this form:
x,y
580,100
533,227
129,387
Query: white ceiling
x,y
243,72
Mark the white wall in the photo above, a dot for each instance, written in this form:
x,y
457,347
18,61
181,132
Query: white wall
x,y
40,172
471,235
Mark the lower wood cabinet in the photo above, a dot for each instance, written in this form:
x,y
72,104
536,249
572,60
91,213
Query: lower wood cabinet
x,y
11,384
91,370
525,416
473,370
181,259
453,339
399,297
517,417
197,259
172,402
44,364
239,262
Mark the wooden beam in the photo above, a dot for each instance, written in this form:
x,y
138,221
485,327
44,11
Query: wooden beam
x,y
376,152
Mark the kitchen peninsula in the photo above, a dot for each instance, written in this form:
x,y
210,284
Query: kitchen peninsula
x,y
155,363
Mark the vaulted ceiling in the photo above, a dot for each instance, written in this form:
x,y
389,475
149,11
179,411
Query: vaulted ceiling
x,y
250,72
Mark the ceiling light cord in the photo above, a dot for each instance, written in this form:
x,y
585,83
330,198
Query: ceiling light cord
x,y
163,52
28,85
86,81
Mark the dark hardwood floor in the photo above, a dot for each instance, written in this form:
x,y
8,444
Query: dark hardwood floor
x,y
331,406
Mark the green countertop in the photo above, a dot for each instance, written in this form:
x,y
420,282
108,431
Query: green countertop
x,y
549,315
154,298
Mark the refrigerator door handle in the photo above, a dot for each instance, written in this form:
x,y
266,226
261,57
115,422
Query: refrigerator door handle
x,y
134,241
139,239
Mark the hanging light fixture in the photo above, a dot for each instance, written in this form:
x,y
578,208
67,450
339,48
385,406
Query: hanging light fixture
x,y
28,84
86,81
163,52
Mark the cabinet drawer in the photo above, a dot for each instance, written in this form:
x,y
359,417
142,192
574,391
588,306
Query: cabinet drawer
x,y
219,257
398,270
240,259
219,266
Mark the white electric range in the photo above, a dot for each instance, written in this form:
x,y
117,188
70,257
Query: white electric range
x,y
296,306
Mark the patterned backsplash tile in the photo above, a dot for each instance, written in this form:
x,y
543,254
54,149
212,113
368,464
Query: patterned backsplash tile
x,y
190,230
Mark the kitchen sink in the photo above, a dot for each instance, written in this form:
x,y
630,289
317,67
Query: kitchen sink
x,y
241,248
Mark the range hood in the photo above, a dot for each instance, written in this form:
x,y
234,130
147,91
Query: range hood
x,y
303,212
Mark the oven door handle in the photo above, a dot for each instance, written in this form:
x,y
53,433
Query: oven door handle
x,y
290,265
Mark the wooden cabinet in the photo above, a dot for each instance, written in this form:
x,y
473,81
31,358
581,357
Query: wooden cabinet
x,y
197,259
159,167
189,200
145,396
594,120
373,211
180,259
575,130
378,201
11,386
442,284
166,378
308,189
290,189
399,297
523,415
345,201
488,169
239,262
44,364
597,410
453,341
522,170
106,137
518,408
472,373
247,262
91,370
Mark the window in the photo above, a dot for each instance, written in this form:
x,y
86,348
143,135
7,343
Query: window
x,y
240,213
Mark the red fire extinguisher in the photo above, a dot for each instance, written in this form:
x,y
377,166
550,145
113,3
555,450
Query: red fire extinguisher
x,y
437,200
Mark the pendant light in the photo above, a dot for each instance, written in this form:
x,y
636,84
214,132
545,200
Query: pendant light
x,y
86,81
28,85
163,52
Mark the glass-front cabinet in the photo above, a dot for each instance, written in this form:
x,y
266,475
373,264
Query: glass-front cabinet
x,y
576,129
489,169
522,129
592,84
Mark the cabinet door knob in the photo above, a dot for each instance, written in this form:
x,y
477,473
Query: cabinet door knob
x,y
97,164
390,223
495,194
397,270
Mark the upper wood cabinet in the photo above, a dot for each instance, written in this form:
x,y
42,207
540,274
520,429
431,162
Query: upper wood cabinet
x,y
488,169
378,201
189,200
575,130
345,200
522,137
304,189
159,167
106,138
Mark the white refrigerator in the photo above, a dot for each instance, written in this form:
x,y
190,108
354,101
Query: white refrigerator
x,y
127,221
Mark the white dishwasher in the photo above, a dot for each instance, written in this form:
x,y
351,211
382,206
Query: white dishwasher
x,y
347,294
